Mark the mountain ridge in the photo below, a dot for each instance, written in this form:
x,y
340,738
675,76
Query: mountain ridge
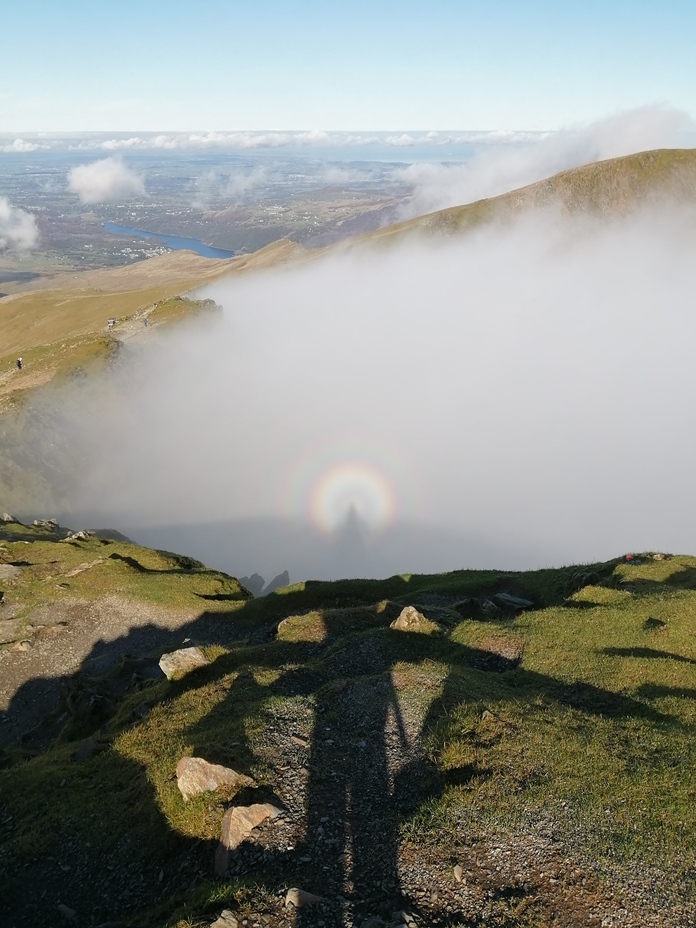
x,y
613,187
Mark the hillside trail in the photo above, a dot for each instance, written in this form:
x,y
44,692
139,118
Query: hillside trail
x,y
65,635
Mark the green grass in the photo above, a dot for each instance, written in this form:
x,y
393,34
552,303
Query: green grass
x,y
592,732
56,571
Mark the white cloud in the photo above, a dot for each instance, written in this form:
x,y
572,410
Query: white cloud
x,y
18,228
335,174
213,186
520,159
117,144
21,145
105,181
249,140
400,141
241,182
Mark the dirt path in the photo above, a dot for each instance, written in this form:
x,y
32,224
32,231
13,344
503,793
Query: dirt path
x,y
67,634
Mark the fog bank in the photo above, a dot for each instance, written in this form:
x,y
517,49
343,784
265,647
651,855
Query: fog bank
x,y
518,397
518,163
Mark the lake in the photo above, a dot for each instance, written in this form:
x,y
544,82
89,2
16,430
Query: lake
x,y
177,242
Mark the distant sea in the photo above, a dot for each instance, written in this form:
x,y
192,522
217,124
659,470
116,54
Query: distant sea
x,y
177,242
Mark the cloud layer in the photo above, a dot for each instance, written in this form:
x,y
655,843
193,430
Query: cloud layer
x,y
105,181
248,140
18,229
510,166
519,397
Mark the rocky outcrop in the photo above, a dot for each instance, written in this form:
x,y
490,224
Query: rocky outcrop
x,y
9,572
226,919
195,775
237,824
255,583
276,583
300,898
409,620
178,663
13,630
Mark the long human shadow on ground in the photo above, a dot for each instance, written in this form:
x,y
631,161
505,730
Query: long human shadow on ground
x,y
363,769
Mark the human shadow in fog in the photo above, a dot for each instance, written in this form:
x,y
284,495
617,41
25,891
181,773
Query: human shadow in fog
x,y
365,770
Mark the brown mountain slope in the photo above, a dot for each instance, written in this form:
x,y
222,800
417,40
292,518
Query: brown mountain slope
x,y
606,188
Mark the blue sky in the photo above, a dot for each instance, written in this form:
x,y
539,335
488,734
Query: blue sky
x,y
167,65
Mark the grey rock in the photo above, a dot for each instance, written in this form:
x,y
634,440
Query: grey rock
x,y
225,920
82,535
408,620
300,898
13,630
237,824
9,572
6,517
490,607
67,913
50,524
508,601
178,663
195,775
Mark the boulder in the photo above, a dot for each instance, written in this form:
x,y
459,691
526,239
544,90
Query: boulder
x,y
13,630
237,824
408,620
9,572
178,663
6,517
300,897
225,920
508,601
195,775
82,535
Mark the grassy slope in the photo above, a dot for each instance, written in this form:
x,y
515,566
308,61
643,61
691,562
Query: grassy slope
x,y
605,188
591,736
62,327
